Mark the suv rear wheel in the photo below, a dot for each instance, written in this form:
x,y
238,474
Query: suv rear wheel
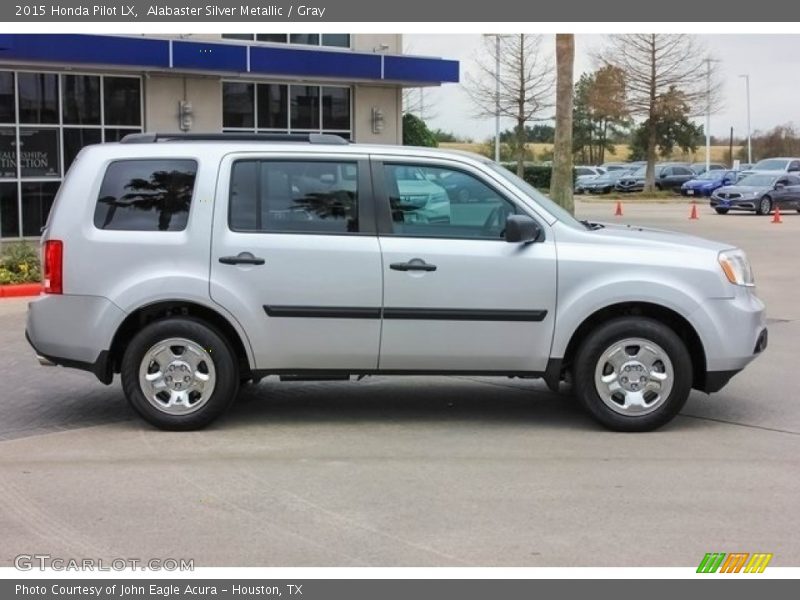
x,y
179,374
633,374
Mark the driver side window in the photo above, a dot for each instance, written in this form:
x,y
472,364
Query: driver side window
x,y
428,201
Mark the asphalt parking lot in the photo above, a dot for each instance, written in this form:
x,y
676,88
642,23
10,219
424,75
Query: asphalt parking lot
x,y
444,471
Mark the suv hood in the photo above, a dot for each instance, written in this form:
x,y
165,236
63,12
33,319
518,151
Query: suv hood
x,y
653,238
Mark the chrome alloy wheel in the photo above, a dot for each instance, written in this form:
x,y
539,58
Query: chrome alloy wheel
x,y
634,376
177,376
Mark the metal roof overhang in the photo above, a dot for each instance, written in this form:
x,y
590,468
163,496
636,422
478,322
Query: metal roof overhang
x,y
221,58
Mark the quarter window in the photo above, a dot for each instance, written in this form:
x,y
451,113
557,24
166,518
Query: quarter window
x,y
294,196
146,195
442,202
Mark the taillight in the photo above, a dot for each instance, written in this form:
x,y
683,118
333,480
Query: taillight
x,y
53,267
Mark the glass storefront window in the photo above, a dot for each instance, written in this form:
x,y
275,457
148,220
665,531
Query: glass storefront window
x,y
75,139
273,106
81,100
337,40
9,210
8,152
7,97
335,108
45,120
237,104
38,152
334,40
38,97
37,200
305,106
122,101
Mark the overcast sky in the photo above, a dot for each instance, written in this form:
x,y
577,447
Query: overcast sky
x,y
772,61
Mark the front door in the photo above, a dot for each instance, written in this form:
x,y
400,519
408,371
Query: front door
x,y
457,296
296,260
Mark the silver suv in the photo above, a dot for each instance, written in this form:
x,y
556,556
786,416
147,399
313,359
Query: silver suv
x,y
193,264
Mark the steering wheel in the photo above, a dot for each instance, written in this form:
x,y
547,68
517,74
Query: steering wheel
x,y
497,220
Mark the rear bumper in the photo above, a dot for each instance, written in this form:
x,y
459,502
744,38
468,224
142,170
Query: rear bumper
x,y
74,331
100,368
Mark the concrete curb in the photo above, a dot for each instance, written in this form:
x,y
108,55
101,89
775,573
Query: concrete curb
x,y
19,290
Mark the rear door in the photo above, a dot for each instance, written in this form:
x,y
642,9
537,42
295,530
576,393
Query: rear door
x,y
296,259
457,296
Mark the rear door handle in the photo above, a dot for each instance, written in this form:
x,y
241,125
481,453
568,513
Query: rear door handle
x,y
243,258
415,264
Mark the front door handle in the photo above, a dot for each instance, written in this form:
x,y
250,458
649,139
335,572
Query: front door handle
x,y
243,258
415,264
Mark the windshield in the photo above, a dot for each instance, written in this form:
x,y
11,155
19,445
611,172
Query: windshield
x,y
771,164
554,209
758,180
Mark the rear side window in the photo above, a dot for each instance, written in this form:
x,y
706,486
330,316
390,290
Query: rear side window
x,y
146,195
294,196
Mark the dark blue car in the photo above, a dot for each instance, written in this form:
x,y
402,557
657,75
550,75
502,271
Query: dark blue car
x,y
706,183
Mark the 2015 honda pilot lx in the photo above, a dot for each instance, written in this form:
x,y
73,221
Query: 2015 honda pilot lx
x,y
192,264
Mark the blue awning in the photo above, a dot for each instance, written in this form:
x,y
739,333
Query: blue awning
x,y
181,55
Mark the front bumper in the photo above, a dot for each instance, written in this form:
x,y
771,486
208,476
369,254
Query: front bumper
x,y
734,204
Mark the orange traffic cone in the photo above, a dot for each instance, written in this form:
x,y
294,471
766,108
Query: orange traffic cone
x,y
693,215
776,216
618,212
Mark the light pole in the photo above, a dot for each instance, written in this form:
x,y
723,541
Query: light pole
x,y
708,114
497,37
749,145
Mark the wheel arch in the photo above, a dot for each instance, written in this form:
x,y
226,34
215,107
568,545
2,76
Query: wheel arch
x,y
164,309
672,319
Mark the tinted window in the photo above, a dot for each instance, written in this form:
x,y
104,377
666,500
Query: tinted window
x,y
38,97
682,171
39,152
237,104
277,38
273,106
37,200
335,108
442,202
8,152
341,40
304,38
7,97
146,195
9,211
123,102
305,106
294,196
75,139
81,100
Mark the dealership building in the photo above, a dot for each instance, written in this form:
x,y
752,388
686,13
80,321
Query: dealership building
x,y
61,92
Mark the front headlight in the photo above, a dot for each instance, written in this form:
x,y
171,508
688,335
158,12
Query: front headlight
x,y
736,267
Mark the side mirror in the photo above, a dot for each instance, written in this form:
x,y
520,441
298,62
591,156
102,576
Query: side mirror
x,y
780,186
521,229
726,182
663,175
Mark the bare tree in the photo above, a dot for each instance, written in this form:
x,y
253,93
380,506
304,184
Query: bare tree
x,y
525,82
419,102
561,182
656,65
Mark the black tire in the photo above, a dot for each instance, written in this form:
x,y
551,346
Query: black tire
x,y
764,206
221,355
616,330
722,211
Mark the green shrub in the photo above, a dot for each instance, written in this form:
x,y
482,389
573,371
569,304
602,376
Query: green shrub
x,y
537,175
19,263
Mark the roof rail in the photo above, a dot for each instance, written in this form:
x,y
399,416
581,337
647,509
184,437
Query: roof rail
x,y
309,138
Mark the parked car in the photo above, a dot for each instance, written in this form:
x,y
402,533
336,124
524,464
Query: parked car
x,y
700,167
616,166
775,165
669,176
191,265
584,174
760,193
705,183
603,184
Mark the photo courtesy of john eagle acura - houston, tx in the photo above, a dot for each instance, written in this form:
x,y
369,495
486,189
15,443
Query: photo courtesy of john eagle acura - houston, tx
x,y
194,264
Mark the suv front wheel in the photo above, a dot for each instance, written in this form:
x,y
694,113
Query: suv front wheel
x,y
179,374
633,374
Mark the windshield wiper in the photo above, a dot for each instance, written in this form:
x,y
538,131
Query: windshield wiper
x,y
591,226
